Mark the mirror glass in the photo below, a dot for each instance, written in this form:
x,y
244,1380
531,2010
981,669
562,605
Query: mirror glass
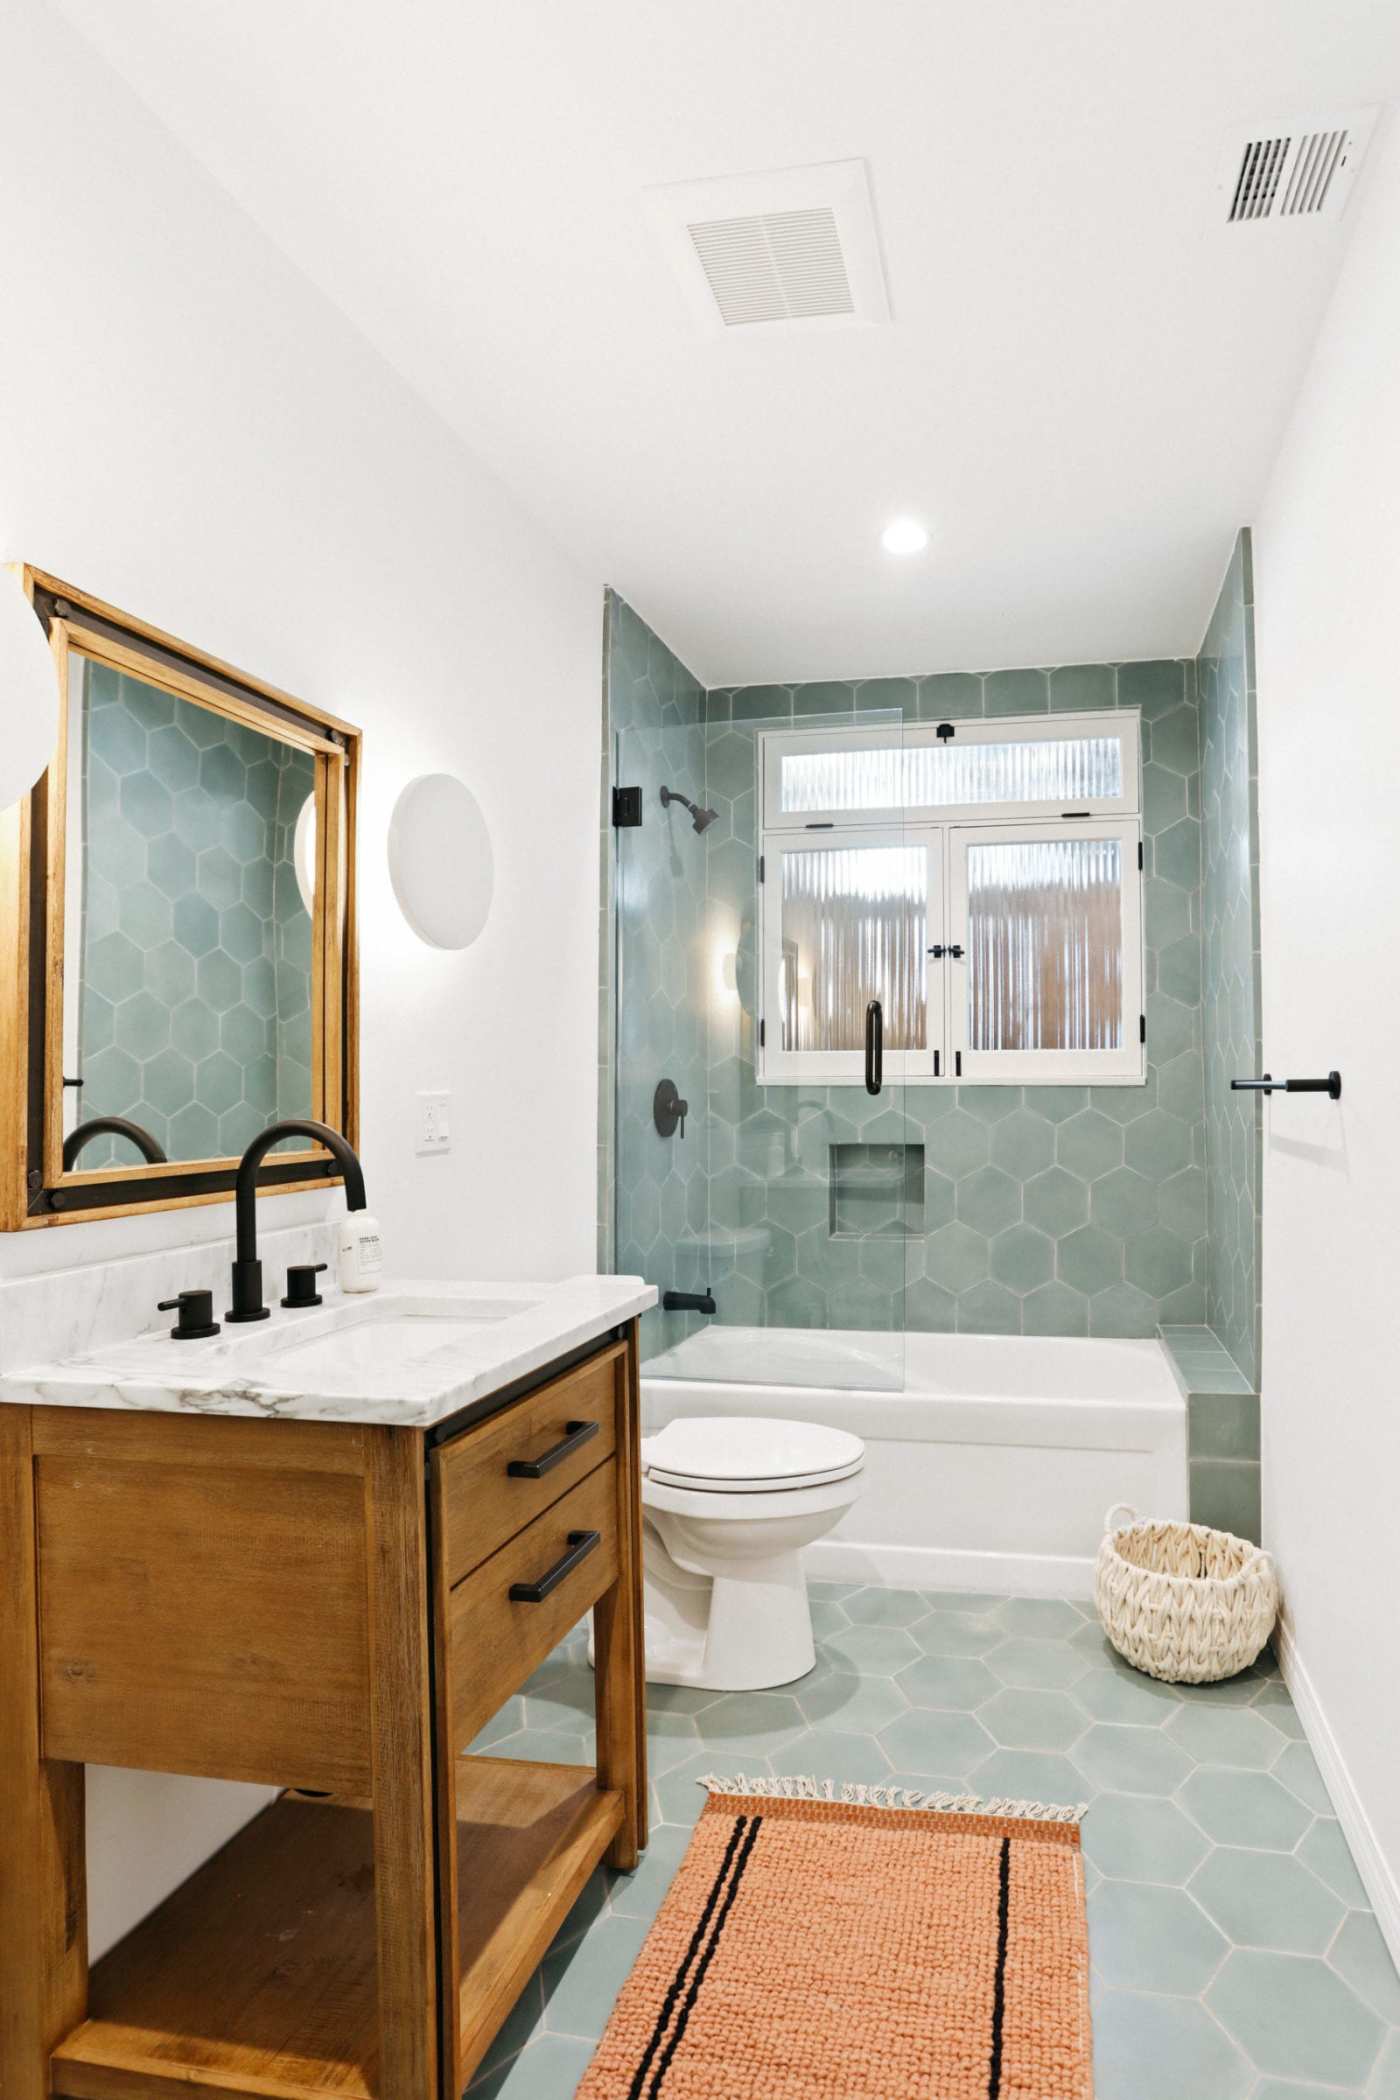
x,y
187,923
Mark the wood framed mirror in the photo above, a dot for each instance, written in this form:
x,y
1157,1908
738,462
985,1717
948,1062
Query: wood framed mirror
x,y
177,929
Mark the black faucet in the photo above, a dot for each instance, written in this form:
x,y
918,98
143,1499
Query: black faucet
x,y
247,1269
118,1126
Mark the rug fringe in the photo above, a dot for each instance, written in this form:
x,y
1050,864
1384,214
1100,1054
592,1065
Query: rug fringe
x,y
851,1793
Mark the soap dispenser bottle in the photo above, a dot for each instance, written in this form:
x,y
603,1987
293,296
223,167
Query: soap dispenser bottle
x,y
359,1252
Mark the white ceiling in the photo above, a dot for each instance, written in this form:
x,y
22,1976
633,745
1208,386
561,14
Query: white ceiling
x,y
1087,371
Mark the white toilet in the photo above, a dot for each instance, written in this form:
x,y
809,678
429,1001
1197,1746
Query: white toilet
x,y
728,1503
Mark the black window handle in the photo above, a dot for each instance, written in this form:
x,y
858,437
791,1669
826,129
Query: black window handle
x,y
575,1435
938,951
581,1544
874,1047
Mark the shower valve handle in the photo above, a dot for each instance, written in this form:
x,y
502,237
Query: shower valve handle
x,y
668,1110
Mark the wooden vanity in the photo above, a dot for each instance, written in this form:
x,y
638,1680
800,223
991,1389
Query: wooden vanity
x,y
334,1609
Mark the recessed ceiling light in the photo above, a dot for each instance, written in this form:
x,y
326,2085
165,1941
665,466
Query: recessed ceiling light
x,y
904,536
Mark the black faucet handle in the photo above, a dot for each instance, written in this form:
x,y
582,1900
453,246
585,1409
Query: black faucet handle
x,y
196,1316
301,1284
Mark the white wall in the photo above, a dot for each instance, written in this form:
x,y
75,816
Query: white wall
x,y
1327,593
187,428
191,431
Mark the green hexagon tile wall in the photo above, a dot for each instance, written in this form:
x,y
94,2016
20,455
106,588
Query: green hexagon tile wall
x,y
1046,1210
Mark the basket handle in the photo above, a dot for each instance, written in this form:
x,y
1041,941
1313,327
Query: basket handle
x,y
1111,1512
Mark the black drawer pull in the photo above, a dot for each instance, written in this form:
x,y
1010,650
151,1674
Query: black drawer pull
x,y
581,1544
576,1435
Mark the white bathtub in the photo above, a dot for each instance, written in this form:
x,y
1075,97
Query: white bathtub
x,y
990,1468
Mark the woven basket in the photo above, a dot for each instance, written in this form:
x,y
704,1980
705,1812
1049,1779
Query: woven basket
x,y
1182,1602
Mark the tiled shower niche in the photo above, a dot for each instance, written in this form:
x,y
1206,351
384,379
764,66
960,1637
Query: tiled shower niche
x,y
876,1191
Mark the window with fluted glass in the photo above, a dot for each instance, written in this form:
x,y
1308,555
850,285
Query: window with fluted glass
x,y
848,922
1005,949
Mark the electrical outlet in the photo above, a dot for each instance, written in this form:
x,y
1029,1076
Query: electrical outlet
x,y
434,1123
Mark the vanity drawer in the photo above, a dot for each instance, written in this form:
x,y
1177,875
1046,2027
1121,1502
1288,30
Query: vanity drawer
x,y
493,1640
564,1431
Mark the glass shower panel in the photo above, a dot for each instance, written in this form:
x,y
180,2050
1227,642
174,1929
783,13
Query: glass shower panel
x,y
796,1206
659,1197
1044,945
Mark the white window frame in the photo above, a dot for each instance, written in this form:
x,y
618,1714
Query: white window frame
x,y
781,1066
998,729
945,833
1123,1066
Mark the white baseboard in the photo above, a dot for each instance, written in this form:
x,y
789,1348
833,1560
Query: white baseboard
x,y
1377,1874
942,1568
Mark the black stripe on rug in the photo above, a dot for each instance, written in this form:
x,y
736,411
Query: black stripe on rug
x,y
999,1987
693,1993
678,1981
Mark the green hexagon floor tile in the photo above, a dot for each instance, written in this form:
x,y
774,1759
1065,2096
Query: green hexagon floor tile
x,y
1234,1954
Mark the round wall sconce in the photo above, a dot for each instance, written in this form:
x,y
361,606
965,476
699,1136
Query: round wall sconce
x,y
28,694
440,860
304,854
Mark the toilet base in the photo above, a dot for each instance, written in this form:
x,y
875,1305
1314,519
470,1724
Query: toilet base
x,y
746,1629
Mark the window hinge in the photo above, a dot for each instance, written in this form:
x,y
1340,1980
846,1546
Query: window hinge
x,y
1139,853
626,808
936,1072
1142,1028
957,1064
762,1034
762,859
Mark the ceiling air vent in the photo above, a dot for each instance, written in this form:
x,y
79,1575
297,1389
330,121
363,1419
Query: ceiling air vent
x,y
1301,171
782,266
795,249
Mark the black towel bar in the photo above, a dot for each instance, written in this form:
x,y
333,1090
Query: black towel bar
x,y
1331,1086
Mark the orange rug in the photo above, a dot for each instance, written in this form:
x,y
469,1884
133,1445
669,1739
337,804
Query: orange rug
x,y
866,1945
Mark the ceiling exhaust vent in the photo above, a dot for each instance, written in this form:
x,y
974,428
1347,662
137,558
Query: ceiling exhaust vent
x,y
795,249
1302,171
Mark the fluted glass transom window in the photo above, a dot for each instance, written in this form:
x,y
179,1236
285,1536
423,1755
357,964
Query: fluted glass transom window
x,y
1068,772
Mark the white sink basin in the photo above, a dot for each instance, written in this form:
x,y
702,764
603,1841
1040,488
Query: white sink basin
x,y
366,1347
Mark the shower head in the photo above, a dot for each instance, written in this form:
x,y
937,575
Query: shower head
x,y
701,819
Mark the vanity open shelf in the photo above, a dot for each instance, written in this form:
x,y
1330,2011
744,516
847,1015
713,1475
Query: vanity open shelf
x,y
335,1609
258,1974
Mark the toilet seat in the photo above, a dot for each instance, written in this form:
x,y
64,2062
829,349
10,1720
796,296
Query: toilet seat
x,y
749,1455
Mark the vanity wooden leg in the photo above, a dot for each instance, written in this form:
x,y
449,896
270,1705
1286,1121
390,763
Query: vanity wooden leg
x,y
619,1689
401,1764
43,1906
639,1675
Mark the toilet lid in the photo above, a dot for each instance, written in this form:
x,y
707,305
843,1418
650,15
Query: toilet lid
x,y
738,1454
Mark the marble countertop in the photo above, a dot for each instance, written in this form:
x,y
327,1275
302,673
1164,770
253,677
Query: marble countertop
x,y
408,1355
